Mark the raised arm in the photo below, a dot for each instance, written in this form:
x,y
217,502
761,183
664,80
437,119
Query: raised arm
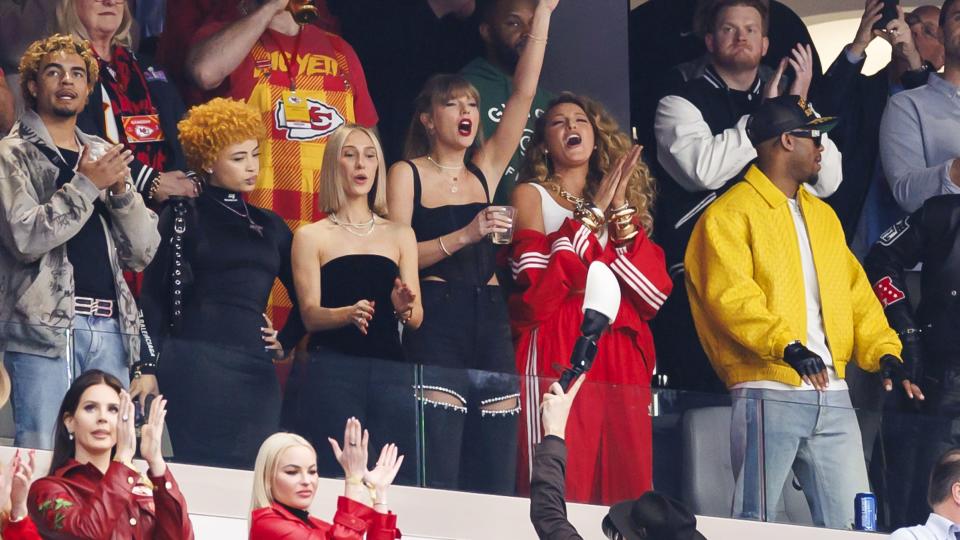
x,y
214,59
496,152
912,179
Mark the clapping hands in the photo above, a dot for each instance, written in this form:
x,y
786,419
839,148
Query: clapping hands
x,y
353,457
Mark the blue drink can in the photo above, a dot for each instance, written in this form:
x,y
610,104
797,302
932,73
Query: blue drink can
x,y
865,512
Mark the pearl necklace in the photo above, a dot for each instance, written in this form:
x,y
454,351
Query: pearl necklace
x,y
349,227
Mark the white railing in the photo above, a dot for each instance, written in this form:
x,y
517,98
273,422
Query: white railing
x,y
219,502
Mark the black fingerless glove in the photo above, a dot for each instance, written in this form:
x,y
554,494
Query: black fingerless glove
x,y
806,362
892,368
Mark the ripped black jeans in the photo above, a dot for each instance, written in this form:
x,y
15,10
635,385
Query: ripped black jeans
x,y
467,387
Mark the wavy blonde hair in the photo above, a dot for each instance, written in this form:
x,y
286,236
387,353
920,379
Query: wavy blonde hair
x,y
209,128
332,194
68,22
611,144
32,60
268,461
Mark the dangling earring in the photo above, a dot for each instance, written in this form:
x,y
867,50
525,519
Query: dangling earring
x,y
70,435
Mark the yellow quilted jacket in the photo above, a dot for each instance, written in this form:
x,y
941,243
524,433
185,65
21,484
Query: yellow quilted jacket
x,y
745,283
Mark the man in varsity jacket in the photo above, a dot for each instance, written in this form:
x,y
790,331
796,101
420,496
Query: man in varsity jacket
x,y
702,146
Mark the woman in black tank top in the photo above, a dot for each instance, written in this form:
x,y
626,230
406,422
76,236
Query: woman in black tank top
x,y
468,390
357,273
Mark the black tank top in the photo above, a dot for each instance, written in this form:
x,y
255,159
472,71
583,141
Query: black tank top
x,y
343,282
471,265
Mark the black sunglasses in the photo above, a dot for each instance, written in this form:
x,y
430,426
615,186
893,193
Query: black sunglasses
x,y
815,134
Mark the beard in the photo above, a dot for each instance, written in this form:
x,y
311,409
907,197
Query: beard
x,y
812,179
64,112
742,60
506,56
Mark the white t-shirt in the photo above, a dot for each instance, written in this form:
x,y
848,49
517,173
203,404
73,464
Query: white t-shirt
x,y
816,335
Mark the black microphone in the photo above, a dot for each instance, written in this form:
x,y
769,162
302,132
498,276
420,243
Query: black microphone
x,y
601,301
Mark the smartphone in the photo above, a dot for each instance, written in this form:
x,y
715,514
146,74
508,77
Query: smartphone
x,y
141,417
888,14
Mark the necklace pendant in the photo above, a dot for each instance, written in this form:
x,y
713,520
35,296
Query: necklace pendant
x,y
454,188
257,229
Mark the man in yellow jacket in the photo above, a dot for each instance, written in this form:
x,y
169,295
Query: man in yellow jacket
x,y
781,305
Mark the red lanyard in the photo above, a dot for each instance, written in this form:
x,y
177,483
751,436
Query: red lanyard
x,y
293,64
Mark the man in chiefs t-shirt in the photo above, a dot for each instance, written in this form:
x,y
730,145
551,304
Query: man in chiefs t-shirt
x,y
249,59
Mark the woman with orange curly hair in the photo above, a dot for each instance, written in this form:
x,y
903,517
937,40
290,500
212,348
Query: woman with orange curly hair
x,y
587,197
205,294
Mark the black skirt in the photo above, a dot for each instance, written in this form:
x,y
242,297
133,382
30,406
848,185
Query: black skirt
x,y
222,402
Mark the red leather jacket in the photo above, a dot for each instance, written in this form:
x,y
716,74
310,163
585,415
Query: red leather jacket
x,y
79,502
21,530
351,522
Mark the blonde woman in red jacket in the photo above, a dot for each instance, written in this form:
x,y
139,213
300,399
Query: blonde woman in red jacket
x,y
285,482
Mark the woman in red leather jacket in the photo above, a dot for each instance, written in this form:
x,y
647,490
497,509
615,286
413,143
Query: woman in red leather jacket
x,y
93,489
285,482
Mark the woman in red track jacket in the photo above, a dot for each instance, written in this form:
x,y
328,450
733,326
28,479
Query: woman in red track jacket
x,y
285,482
587,197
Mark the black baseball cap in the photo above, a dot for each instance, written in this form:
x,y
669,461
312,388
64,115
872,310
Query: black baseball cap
x,y
786,113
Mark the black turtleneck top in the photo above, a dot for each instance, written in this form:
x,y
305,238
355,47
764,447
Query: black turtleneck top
x,y
234,251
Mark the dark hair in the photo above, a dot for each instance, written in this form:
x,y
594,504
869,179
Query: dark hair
x,y
705,21
438,89
944,475
63,447
947,4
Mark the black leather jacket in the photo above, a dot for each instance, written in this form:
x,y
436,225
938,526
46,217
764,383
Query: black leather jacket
x,y
931,235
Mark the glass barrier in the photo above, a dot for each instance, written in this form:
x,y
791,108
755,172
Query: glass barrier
x,y
751,453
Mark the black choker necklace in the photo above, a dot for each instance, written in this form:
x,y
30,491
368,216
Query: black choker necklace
x,y
230,197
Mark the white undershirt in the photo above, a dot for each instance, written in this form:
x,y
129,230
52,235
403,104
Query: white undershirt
x,y
816,335
554,214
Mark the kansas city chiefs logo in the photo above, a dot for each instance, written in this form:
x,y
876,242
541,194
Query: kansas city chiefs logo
x,y
324,120
143,131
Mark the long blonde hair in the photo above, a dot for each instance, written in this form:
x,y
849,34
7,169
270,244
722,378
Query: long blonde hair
x,y
332,193
68,22
268,460
611,143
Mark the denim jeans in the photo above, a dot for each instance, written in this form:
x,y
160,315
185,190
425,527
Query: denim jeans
x,y
815,434
40,382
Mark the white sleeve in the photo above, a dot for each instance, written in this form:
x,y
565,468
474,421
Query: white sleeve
x,y
693,156
831,170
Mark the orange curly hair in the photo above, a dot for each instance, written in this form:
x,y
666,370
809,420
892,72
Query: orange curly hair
x,y
209,128
611,144
32,61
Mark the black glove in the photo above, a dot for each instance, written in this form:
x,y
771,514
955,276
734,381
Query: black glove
x,y
806,362
892,368
912,355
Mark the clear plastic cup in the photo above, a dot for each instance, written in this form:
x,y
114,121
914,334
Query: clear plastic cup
x,y
504,237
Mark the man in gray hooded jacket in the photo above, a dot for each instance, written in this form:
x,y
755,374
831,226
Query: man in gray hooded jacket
x,y
70,223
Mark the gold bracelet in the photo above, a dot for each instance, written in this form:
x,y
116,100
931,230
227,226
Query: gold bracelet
x,y
443,248
622,235
624,213
591,216
619,208
354,480
403,316
532,37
